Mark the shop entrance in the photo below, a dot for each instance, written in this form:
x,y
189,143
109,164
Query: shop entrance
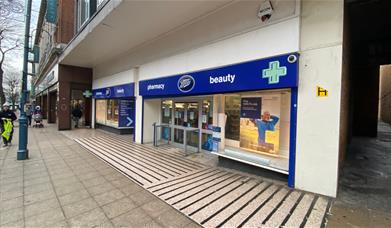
x,y
254,127
250,118
189,121
78,101
44,106
52,107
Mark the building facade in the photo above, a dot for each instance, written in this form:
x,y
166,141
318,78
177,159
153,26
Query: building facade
x,y
258,82
59,88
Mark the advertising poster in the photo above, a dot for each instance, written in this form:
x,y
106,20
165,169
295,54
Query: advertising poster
x,y
259,124
126,113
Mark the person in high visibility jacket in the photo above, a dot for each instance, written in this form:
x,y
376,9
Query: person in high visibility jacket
x,y
7,124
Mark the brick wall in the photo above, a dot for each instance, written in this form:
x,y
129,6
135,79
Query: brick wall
x,y
71,77
65,23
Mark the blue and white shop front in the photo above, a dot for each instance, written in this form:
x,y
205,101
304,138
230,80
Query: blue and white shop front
x,y
245,111
115,108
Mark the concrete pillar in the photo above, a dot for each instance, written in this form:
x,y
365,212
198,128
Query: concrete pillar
x,y
318,119
139,109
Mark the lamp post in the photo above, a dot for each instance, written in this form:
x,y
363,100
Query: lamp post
x,y
22,153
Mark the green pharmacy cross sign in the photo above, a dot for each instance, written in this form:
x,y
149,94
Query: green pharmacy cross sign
x,y
274,72
87,93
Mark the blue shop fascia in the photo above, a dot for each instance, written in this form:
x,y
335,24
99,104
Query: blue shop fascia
x,y
245,111
115,108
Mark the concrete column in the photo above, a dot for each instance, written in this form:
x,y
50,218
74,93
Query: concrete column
x,y
139,108
318,121
93,113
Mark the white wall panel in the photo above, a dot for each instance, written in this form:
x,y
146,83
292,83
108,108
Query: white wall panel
x,y
268,41
112,80
318,121
152,114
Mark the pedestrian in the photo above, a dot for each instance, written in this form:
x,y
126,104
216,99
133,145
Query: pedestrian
x,y
77,114
29,113
7,124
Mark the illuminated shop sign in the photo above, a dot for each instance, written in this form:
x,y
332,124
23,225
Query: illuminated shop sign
x,y
119,91
269,73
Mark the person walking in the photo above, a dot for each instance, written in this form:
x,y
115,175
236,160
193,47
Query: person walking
x,y
77,114
7,124
29,113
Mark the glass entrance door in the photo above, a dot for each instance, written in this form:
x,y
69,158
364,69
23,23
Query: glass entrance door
x,y
188,119
186,116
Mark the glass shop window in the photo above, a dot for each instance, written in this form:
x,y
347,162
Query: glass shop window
x,y
207,113
166,111
100,113
112,112
232,110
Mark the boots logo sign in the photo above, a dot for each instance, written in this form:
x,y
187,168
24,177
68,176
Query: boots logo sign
x,y
108,92
268,73
186,83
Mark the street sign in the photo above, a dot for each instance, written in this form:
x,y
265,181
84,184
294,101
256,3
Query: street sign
x,y
321,92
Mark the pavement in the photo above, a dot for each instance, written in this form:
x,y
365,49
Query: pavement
x,y
86,183
364,196
63,185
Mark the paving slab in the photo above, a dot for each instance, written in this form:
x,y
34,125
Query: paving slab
x,y
65,185
210,196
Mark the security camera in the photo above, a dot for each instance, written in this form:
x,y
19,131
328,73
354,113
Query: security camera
x,y
292,58
265,11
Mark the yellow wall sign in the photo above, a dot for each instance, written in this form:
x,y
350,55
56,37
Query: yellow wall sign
x,y
321,92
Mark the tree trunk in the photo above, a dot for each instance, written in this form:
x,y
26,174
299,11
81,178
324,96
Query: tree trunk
x,y
2,96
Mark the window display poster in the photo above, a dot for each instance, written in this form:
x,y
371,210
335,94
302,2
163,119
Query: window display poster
x,y
250,107
126,113
259,124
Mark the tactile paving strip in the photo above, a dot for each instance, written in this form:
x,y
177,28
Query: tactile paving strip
x,y
210,196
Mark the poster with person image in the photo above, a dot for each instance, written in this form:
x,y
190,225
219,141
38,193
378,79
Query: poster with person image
x,y
259,124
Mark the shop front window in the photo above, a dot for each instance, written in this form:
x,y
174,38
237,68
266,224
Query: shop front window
x,y
260,121
166,119
112,112
192,115
232,110
101,107
166,111
207,114
179,118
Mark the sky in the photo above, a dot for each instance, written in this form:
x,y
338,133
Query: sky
x,y
14,60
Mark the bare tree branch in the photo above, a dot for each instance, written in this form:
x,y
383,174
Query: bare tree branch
x,y
10,12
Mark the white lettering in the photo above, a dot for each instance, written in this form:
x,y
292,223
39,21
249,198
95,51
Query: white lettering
x,y
120,91
222,79
154,87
